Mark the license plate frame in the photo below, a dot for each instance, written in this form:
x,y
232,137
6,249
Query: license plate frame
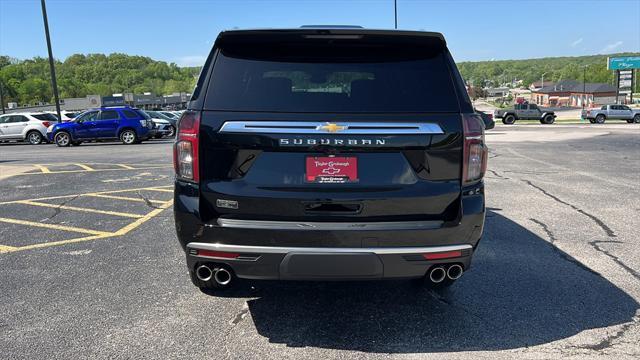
x,y
331,169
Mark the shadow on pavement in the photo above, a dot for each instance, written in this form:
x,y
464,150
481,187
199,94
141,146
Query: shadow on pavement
x,y
521,291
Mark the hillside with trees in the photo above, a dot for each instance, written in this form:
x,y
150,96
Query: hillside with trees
x,y
28,81
496,73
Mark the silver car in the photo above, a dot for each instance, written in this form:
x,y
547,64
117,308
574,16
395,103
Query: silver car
x,y
30,127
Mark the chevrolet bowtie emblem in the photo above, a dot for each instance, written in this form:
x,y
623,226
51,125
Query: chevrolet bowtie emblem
x,y
331,127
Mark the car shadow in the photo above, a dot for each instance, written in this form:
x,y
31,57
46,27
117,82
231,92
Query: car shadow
x,y
521,291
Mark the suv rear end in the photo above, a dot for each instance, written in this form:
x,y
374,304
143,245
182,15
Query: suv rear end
x,y
329,154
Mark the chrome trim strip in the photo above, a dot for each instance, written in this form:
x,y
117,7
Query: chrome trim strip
x,y
329,226
285,250
346,128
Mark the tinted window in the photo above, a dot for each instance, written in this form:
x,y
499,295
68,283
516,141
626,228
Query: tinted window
x,y
45,117
109,115
624,107
422,85
18,119
129,114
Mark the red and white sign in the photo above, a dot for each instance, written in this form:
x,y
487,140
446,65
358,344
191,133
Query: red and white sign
x,y
331,169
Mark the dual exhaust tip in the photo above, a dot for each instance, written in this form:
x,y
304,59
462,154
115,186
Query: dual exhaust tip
x,y
439,273
220,275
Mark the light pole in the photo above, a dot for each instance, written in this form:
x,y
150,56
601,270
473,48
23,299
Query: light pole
x,y
584,85
395,13
52,68
1,97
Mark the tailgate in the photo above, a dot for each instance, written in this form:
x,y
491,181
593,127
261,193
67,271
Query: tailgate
x,y
364,167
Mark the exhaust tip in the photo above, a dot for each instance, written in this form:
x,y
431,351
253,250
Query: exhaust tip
x,y
454,272
222,276
204,273
437,274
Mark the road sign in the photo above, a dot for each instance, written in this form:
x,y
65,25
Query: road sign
x,y
623,63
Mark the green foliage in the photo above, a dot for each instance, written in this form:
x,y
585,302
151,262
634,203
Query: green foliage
x,y
28,81
496,73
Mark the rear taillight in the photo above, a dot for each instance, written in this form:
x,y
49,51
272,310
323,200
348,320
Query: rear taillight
x,y
46,124
474,162
185,151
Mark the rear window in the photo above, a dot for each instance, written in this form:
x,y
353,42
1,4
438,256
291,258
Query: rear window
x,y
45,117
412,85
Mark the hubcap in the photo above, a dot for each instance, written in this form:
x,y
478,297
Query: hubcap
x,y
62,139
128,137
34,138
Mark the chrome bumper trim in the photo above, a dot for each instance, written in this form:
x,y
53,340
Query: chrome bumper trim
x,y
340,128
328,226
327,250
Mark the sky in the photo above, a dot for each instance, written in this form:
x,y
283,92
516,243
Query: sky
x,y
183,31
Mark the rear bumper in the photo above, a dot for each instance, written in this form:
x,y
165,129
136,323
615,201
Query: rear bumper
x,y
278,250
298,263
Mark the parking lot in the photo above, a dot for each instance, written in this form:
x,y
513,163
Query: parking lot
x,y
90,266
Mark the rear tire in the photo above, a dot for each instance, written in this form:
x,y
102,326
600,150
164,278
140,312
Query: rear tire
x,y
600,119
62,139
34,137
636,119
509,120
547,120
172,131
128,137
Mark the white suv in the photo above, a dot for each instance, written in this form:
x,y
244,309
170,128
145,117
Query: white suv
x,y
30,127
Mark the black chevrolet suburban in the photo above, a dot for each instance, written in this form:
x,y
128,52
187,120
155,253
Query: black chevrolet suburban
x,y
329,154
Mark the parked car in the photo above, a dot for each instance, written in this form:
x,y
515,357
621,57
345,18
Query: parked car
x,y
23,126
127,124
487,119
372,170
166,126
525,112
612,112
66,115
170,114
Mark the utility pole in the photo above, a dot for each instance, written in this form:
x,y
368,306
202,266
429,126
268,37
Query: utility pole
x,y
395,13
54,84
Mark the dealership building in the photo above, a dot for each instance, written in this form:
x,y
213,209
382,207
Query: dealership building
x,y
143,101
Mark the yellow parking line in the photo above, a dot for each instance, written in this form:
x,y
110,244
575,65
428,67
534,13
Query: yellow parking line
x,y
74,208
120,232
43,169
163,190
86,167
54,226
93,194
122,198
124,166
47,171
5,248
61,242
144,219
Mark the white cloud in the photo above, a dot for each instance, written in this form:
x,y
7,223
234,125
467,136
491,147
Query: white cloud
x,y
611,47
191,60
577,42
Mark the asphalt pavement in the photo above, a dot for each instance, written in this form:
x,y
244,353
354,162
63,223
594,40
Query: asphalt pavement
x,y
90,266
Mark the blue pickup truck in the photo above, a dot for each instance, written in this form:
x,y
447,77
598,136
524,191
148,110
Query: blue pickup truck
x,y
124,123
